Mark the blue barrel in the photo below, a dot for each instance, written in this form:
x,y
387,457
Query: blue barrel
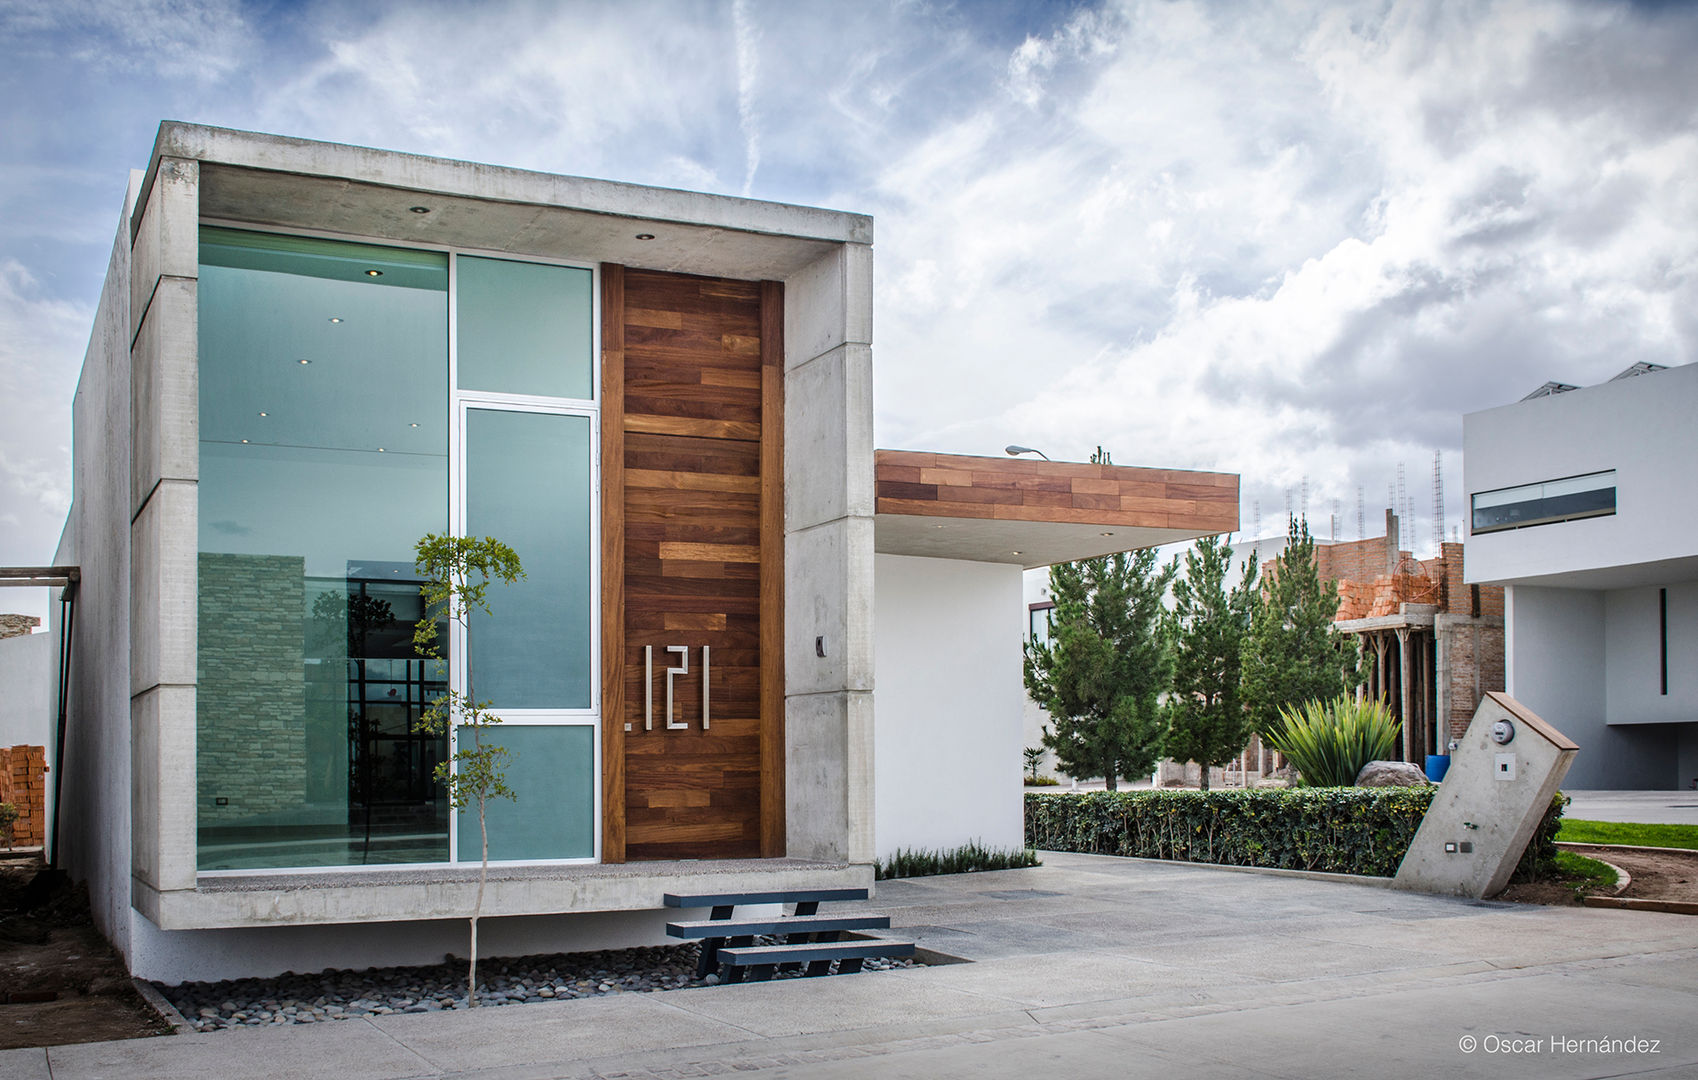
x,y
1437,766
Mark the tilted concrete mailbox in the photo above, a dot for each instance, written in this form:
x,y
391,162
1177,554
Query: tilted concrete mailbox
x,y
1503,773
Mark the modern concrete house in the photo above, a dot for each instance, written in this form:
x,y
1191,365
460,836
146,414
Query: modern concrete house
x,y
307,356
1581,507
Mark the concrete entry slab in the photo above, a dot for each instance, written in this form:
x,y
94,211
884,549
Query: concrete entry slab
x,y
1250,976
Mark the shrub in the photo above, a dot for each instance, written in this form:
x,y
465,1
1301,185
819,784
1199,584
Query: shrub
x,y
1341,830
1042,781
1329,742
965,859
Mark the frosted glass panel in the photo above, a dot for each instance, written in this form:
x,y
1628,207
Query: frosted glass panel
x,y
528,485
552,770
523,328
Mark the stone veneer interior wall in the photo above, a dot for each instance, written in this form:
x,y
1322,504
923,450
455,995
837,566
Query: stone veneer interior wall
x,y
250,741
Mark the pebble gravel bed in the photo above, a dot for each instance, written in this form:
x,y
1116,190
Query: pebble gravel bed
x,y
345,994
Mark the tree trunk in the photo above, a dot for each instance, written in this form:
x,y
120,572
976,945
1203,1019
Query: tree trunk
x,y
477,909
1202,776
1109,780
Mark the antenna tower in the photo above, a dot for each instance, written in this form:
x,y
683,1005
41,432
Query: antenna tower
x,y
1438,502
1402,500
1361,514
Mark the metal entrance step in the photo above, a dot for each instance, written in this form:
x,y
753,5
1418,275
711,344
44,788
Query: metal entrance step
x,y
728,944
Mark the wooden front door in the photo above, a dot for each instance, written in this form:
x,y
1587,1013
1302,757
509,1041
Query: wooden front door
x,y
692,658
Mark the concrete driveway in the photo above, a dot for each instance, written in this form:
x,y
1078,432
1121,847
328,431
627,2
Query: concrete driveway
x,y
1087,966
1645,807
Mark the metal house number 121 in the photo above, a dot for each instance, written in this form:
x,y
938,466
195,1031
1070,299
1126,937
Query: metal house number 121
x,y
683,668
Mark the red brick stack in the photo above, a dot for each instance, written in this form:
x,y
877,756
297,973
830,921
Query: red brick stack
x,y
23,783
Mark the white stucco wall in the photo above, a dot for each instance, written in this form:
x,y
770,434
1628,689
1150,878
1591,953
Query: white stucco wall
x,y
1641,427
1555,663
947,708
1633,681
29,677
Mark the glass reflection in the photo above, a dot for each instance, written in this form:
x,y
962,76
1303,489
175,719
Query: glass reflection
x,y
323,457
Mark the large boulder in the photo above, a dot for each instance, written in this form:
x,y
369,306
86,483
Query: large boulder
x,y
1391,774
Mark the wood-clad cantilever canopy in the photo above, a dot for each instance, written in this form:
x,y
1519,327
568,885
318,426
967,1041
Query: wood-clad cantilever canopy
x,y
1036,513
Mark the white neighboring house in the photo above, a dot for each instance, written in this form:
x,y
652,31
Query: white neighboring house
x,y
1582,505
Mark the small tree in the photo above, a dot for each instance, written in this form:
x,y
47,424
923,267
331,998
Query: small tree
x,y
457,572
1291,655
1105,665
1034,756
1207,720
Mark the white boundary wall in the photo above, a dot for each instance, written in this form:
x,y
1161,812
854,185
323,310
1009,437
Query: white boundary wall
x,y
948,705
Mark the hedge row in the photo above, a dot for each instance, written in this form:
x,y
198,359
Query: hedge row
x,y
1340,830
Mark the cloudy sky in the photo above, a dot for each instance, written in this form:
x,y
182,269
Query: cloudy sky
x,y
1293,241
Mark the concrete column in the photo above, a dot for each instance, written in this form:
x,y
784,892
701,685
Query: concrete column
x,y
828,558
164,541
1403,691
1442,632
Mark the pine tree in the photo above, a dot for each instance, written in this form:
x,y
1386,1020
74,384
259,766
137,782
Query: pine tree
x,y
1291,655
1105,665
1207,720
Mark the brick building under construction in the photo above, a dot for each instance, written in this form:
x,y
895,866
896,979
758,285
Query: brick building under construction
x,y
1437,642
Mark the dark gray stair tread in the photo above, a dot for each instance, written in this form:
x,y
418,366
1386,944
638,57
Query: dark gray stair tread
x,y
744,956
783,924
793,896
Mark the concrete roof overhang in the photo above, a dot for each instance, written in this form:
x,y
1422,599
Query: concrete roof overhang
x,y
356,191
1037,513
1627,576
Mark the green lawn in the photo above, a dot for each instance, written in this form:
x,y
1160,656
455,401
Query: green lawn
x,y
1579,872
1617,832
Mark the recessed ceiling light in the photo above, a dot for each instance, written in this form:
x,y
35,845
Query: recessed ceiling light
x,y
419,209
244,440
1017,553
306,361
380,449
335,318
374,273
1108,534
412,425
645,236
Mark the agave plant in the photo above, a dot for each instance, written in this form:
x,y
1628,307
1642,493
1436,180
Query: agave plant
x,y
1330,741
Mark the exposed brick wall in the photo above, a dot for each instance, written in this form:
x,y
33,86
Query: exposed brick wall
x,y
18,625
23,783
251,695
1476,666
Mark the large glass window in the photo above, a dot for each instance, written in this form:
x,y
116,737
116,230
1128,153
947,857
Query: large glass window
x,y
1574,497
323,458
331,440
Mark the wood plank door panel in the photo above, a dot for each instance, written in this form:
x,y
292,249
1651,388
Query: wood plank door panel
x,y
697,427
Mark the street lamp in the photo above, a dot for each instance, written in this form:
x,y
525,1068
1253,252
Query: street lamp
x,y
1016,451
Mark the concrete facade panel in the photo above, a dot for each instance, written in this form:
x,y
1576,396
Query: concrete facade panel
x,y
163,544
828,434
164,393
167,236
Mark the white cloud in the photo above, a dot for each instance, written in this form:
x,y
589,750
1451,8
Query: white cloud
x,y
40,340
1292,245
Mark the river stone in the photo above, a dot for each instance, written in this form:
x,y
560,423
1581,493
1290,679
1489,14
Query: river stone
x,y
1390,774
